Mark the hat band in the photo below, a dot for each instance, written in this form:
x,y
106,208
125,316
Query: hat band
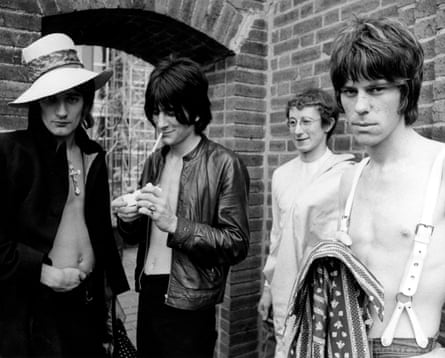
x,y
43,64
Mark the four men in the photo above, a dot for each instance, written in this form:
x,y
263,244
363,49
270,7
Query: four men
x,y
190,220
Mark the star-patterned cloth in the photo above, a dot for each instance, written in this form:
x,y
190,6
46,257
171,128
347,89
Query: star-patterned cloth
x,y
334,296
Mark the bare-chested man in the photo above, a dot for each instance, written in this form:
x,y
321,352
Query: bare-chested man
x,y
376,70
190,219
56,240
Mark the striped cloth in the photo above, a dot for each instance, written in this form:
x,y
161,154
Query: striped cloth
x,y
334,296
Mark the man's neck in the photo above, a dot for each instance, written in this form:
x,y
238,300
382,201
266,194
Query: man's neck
x,y
186,146
395,147
314,155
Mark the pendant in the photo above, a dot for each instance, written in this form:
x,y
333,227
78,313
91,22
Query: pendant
x,y
74,175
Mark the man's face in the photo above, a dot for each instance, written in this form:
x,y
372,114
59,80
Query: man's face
x,y
307,132
371,109
62,113
173,132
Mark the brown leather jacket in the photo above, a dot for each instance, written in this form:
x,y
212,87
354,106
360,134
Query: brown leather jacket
x,y
212,231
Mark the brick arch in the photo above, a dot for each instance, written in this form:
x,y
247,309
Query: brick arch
x,y
202,30
145,34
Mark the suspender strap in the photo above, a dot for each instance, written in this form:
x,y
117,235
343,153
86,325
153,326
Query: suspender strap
x,y
413,270
344,223
424,231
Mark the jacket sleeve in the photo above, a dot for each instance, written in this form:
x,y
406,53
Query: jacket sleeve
x,y
18,261
226,240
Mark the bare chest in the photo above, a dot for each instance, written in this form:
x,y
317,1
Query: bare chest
x,y
384,217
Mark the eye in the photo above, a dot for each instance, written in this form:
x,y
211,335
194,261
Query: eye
x,y
291,122
73,99
170,113
348,92
376,90
49,100
306,122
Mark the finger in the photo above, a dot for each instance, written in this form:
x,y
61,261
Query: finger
x,y
145,211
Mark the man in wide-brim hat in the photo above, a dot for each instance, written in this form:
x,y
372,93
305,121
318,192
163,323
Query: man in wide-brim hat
x,y
57,248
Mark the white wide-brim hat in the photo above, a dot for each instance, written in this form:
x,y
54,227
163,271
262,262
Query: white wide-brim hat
x,y
53,67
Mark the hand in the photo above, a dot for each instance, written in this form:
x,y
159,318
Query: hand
x,y
153,202
265,304
61,279
123,211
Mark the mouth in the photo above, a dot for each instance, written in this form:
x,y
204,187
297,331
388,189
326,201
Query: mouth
x,y
362,124
301,139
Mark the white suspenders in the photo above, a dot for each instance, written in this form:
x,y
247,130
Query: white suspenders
x,y
413,270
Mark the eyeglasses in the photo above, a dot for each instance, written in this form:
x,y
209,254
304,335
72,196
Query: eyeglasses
x,y
305,123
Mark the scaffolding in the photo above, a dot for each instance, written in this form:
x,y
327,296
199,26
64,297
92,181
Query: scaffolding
x,y
121,126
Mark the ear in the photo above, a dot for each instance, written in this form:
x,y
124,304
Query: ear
x,y
328,127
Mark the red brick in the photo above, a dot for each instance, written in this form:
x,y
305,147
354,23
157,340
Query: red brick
x,y
243,131
306,26
256,199
285,33
244,76
305,55
10,37
425,8
10,56
247,104
222,26
286,19
242,117
248,61
307,10
28,6
186,12
284,75
425,28
286,46
322,5
359,7
245,145
328,32
331,17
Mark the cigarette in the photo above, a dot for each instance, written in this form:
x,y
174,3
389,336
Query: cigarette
x,y
156,145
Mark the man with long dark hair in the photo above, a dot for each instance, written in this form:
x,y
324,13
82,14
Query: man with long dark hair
x,y
190,218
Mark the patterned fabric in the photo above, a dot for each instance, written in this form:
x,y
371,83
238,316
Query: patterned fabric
x,y
43,64
334,296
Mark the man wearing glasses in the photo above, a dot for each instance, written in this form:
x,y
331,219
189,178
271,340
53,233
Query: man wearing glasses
x,y
304,201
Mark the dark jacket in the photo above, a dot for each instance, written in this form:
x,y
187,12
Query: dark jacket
x,y
33,190
212,231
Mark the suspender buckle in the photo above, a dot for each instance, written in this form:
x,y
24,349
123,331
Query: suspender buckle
x,y
423,233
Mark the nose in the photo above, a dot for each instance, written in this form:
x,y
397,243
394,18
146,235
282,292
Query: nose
x,y
61,109
161,120
362,103
298,128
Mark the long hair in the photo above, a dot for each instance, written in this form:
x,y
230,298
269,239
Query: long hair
x,y
179,86
372,49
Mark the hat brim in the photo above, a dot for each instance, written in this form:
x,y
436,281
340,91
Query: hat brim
x,y
59,80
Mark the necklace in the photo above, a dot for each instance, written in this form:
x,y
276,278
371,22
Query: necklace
x,y
74,175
